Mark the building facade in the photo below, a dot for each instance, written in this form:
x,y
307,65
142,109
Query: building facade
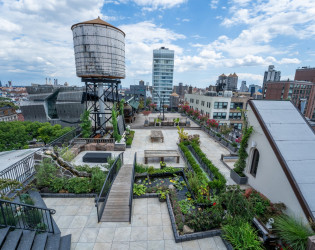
x,y
137,91
8,114
301,94
271,75
228,83
281,159
223,108
162,76
305,74
243,87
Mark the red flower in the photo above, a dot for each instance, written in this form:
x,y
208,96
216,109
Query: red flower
x,y
214,204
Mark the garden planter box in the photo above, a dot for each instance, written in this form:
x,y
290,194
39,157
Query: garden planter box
x,y
224,143
264,232
238,179
157,124
188,123
233,149
217,138
120,146
128,146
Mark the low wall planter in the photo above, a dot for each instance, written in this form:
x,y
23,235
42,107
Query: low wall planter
x,y
217,138
233,149
120,146
238,179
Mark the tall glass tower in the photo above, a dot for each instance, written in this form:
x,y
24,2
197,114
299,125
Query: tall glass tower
x,y
162,76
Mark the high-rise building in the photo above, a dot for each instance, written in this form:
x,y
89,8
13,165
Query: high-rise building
x,y
243,87
162,75
271,75
253,88
227,82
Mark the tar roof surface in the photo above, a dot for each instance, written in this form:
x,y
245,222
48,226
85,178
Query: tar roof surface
x,y
295,141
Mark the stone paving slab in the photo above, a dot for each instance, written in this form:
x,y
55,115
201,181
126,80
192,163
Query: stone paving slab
x,y
147,230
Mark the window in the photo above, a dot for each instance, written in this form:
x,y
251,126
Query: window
x,y
220,105
237,126
255,160
191,100
202,103
197,101
208,104
235,105
235,116
219,115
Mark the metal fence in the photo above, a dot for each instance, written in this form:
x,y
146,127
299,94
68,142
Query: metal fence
x,y
94,140
131,188
20,171
66,139
26,217
102,198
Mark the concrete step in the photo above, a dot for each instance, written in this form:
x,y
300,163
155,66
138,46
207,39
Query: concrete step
x,y
40,241
27,239
12,240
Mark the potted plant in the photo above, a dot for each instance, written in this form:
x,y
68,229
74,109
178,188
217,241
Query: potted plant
x,y
162,164
146,114
157,122
217,137
233,146
176,122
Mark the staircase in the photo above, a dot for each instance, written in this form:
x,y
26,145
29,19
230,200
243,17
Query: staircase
x,y
117,206
28,240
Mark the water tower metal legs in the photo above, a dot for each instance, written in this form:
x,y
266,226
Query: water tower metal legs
x,y
101,95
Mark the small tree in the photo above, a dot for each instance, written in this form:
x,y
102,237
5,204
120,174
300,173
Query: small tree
x,y
121,107
86,124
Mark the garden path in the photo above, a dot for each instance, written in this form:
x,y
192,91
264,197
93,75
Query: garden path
x,y
117,205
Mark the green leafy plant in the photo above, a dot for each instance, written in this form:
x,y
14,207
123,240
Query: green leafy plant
x,y
121,107
68,155
8,183
205,219
241,235
116,135
186,206
139,189
86,124
45,173
240,164
57,184
78,185
292,231
97,179
26,199
8,217
163,194
234,144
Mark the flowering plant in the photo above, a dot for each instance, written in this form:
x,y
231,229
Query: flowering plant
x,y
212,123
196,113
238,140
190,111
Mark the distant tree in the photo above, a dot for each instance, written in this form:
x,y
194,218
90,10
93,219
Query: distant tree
x,y
86,124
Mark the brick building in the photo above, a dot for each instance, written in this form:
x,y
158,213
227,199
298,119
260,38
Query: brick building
x,y
305,74
296,91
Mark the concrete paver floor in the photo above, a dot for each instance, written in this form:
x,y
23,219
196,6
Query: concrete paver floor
x,y
150,227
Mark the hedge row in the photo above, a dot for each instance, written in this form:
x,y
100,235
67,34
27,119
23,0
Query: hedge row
x,y
195,166
219,181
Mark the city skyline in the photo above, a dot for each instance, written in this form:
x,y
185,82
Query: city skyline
x,y
208,37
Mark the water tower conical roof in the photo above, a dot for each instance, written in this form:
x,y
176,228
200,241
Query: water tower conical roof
x,y
97,21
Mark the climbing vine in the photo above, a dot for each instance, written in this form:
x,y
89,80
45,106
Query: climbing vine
x,y
116,135
240,164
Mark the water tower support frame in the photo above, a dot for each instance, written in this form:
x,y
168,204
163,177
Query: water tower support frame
x,y
95,101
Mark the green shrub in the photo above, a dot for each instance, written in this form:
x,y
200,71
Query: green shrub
x,y
129,141
205,219
68,155
26,199
97,179
234,144
85,168
57,184
78,185
33,218
292,231
8,217
139,189
45,173
241,235
236,203
140,168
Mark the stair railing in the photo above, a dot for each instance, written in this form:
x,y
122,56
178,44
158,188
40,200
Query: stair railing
x,y
112,173
131,187
26,217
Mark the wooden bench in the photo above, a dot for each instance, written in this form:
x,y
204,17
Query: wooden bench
x,y
157,135
160,154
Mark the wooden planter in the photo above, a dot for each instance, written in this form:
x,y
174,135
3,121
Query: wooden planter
x,y
238,179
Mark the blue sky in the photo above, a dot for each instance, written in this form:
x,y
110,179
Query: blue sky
x,y
210,37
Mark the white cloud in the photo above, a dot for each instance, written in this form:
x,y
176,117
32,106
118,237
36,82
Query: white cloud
x,y
141,39
151,5
248,77
214,4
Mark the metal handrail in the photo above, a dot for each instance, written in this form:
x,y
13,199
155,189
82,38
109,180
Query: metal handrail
x,y
26,217
112,173
131,186
95,140
60,140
